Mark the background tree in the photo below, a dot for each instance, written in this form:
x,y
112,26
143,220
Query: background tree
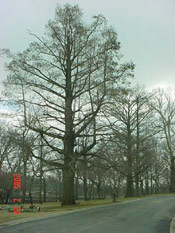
x,y
127,119
164,107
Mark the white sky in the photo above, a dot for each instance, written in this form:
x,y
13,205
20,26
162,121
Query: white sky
x,y
146,30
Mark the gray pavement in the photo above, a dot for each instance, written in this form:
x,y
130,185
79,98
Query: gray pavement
x,y
148,215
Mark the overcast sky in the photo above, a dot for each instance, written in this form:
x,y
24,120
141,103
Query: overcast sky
x,y
146,30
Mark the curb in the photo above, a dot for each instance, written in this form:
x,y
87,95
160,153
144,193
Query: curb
x,y
172,225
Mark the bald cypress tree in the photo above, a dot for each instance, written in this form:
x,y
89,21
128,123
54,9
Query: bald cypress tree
x,y
64,75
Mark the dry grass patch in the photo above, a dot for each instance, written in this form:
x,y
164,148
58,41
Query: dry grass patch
x,y
53,207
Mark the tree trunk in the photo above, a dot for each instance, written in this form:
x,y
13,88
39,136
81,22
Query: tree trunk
x,y
90,191
146,184
172,175
41,173
151,183
30,189
76,188
141,187
44,189
85,187
129,187
137,150
99,189
60,187
68,187
129,181
24,182
68,173
93,192
137,185
7,196
30,197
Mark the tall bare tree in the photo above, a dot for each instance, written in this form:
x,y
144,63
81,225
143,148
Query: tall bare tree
x,y
64,75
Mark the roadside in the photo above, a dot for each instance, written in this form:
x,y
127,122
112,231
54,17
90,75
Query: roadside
x,y
51,210
172,225
151,214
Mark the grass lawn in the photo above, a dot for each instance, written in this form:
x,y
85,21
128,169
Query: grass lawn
x,y
54,207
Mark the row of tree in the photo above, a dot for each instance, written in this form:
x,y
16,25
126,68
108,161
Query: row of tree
x,y
133,157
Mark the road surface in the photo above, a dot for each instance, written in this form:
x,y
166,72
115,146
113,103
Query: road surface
x,y
148,215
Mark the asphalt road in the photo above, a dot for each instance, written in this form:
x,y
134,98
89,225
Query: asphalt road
x,y
148,215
